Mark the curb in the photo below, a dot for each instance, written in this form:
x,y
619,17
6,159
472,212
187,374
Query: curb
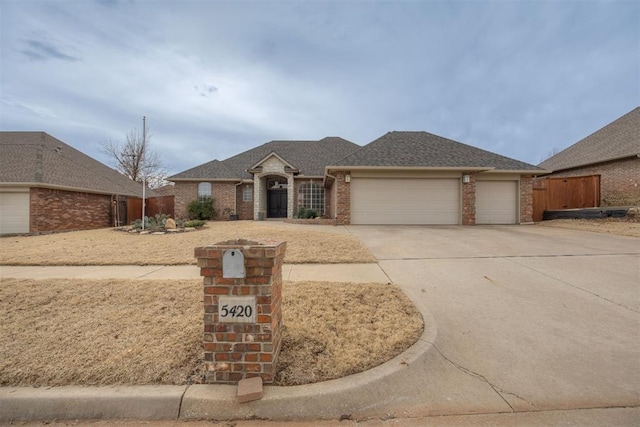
x,y
357,394
49,403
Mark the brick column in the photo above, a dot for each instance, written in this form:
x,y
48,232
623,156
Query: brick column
x,y
343,203
526,199
469,201
242,315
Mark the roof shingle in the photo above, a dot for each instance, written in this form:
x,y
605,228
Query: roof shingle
x,y
39,158
617,140
423,149
309,157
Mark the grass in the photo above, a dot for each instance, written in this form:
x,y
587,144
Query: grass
x,y
108,332
620,226
111,247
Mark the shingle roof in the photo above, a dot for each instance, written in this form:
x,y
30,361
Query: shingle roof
x,y
309,157
39,158
616,140
423,149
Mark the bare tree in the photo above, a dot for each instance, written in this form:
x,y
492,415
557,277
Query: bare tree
x,y
550,154
136,160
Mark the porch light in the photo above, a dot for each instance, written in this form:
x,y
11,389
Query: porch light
x,y
347,178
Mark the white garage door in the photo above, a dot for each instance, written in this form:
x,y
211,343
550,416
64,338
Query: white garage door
x,y
14,213
496,202
405,201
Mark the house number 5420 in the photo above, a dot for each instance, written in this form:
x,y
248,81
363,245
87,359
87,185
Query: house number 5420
x,y
236,309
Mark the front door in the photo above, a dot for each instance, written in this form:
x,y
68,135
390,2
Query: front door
x,y
277,203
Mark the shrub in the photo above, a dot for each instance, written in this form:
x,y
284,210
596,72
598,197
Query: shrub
x,y
202,209
195,223
306,213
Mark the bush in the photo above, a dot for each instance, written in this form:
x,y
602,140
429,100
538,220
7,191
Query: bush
x,y
194,223
202,209
306,213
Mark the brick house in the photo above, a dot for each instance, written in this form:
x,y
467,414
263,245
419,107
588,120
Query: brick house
x,y
47,186
400,178
612,154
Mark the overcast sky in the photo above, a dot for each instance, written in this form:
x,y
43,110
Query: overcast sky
x,y
215,78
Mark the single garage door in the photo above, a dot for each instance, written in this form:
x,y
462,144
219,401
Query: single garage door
x,y
496,202
405,201
14,213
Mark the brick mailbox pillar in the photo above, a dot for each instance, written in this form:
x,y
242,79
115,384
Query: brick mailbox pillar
x,y
242,309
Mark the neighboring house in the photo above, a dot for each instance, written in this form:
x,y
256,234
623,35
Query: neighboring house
x,y
612,154
400,178
47,185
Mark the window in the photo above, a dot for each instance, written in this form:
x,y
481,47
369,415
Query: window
x,y
204,191
247,193
311,196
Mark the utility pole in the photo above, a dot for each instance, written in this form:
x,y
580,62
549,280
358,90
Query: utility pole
x,y
144,185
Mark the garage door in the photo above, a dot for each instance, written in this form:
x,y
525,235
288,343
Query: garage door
x,y
405,201
496,202
14,213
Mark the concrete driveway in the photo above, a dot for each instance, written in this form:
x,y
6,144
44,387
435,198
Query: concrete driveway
x,y
529,318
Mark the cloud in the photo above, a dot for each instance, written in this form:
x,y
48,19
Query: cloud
x,y
217,78
39,50
37,110
205,90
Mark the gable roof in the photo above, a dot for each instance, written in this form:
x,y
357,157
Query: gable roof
x,y
617,140
39,159
309,157
425,150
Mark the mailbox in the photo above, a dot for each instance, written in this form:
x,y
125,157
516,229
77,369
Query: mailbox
x,y
233,264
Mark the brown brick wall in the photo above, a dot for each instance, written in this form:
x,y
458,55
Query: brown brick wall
x,y
60,210
526,199
224,195
185,193
244,210
619,181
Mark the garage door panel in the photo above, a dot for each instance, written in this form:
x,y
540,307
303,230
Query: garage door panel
x,y
14,213
496,202
405,201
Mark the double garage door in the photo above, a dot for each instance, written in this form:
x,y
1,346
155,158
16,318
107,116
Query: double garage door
x,y
429,201
405,201
14,212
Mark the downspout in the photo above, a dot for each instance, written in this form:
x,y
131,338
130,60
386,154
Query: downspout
x,y
114,211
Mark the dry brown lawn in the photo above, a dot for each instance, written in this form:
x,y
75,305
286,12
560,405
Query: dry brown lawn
x,y
111,247
620,226
106,332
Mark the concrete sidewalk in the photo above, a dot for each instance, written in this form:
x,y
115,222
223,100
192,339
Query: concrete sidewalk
x,y
357,273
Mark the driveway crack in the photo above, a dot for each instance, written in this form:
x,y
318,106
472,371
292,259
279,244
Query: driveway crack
x,y
578,288
499,391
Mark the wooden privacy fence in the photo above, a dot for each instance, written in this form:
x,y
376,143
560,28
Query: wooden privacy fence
x,y
565,193
154,205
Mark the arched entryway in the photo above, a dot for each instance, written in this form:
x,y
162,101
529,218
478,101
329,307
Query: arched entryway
x,y
277,198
